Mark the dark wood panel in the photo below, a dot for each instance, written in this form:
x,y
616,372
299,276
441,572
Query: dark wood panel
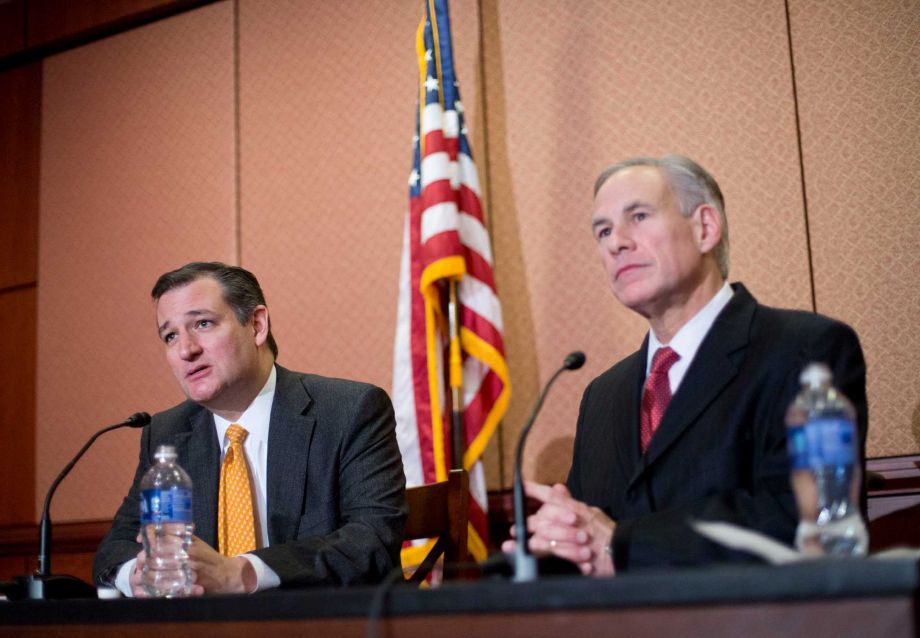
x,y
78,564
73,548
12,26
82,536
890,617
54,26
53,20
833,598
894,502
20,139
11,566
17,406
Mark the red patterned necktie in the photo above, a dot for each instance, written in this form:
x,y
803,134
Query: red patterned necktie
x,y
657,394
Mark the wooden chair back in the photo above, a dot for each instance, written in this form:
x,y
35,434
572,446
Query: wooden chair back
x,y
440,510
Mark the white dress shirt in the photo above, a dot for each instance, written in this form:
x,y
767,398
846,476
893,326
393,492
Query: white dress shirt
x,y
256,420
688,339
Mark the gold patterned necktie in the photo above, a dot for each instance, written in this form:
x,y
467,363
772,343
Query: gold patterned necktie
x,y
235,524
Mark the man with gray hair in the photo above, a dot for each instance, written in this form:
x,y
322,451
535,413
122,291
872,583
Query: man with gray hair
x,y
691,426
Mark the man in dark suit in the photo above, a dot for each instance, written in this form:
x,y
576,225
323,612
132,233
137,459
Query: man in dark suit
x,y
690,427
325,472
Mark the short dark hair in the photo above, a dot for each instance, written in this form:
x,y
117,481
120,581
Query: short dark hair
x,y
242,291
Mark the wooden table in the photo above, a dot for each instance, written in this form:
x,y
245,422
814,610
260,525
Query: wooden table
x,y
858,597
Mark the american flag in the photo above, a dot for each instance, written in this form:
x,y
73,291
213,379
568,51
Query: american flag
x,y
445,238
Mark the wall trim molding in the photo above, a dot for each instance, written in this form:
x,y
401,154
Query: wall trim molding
x,y
37,52
66,538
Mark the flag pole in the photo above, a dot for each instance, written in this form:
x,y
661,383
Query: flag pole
x,y
456,379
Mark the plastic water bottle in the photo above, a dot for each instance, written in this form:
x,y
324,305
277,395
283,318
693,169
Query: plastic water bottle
x,y
826,467
166,526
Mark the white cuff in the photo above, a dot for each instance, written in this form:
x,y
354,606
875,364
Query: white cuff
x,y
266,578
123,579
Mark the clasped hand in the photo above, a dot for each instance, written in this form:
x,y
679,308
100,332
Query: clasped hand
x,y
567,528
212,572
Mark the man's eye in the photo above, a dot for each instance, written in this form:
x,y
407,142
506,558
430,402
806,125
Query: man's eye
x,y
639,216
204,323
603,232
169,337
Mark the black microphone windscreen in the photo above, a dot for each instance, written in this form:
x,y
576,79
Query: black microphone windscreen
x,y
138,419
574,360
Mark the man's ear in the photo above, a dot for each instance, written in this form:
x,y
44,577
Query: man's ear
x,y
260,324
708,227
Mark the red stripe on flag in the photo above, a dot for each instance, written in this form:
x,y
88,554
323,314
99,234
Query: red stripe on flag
x,y
441,245
479,268
438,192
419,348
474,415
435,143
469,202
482,327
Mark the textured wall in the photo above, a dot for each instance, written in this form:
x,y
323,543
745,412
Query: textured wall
x,y
858,66
326,127
136,178
139,174
570,91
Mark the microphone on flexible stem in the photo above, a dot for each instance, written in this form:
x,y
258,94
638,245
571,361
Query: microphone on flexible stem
x,y
66,586
525,564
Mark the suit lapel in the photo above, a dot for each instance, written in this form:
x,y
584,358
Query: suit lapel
x,y
715,365
626,400
289,434
198,452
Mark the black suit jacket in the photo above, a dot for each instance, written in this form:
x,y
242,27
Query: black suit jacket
x,y
719,453
335,484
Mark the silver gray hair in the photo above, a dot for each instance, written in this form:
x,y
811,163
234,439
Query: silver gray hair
x,y
691,184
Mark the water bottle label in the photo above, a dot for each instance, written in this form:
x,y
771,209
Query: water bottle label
x,y
827,441
797,444
166,506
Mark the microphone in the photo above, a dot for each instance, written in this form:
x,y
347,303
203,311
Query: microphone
x,y
525,564
36,583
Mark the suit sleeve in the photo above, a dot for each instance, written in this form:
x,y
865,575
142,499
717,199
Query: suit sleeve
x,y
361,543
119,545
764,502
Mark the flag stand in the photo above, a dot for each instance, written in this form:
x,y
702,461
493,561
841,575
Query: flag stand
x,y
456,379
447,334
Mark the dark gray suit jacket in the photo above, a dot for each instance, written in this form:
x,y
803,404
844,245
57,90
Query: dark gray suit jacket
x,y
720,450
335,485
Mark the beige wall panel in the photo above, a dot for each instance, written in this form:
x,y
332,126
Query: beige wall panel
x,y
136,178
328,94
858,74
572,87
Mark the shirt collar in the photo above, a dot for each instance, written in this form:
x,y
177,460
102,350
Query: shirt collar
x,y
688,339
255,418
